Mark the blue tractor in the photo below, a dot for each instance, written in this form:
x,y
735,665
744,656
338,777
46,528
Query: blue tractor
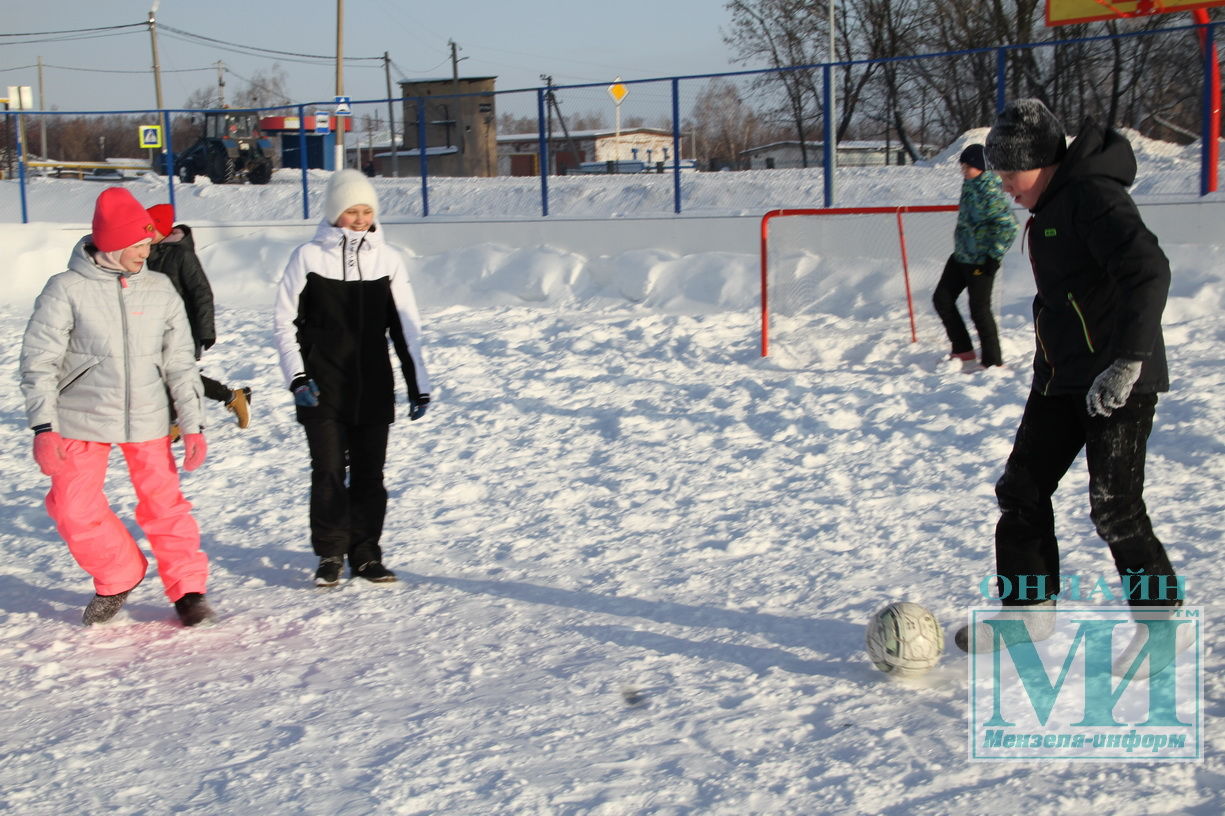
x,y
230,150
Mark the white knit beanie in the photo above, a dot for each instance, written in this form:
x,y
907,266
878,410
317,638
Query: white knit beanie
x,y
348,188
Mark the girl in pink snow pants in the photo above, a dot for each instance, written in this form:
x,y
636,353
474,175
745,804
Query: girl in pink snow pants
x,y
106,352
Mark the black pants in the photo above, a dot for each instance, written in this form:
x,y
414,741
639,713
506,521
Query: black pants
x,y
1052,433
956,278
215,390
346,515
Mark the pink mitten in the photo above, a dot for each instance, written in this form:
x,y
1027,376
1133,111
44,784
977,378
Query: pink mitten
x,y
49,452
194,450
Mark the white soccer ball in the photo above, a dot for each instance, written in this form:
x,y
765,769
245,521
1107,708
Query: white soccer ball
x,y
904,640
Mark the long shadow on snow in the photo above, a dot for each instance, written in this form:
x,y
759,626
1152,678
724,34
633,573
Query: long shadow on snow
x,y
832,636
755,658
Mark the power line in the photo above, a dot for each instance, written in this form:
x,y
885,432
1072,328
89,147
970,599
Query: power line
x,y
250,49
105,70
76,30
70,38
406,74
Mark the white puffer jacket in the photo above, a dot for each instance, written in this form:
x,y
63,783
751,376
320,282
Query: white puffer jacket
x,y
102,350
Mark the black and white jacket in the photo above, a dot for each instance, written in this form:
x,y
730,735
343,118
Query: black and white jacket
x,y
342,297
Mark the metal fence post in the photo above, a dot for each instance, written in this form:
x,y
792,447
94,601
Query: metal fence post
x,y
827,148
543,151
676,145
306,201
423,161
1210,118
21,168
169,161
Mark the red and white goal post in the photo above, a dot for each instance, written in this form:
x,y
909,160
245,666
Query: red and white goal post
x,y
849,261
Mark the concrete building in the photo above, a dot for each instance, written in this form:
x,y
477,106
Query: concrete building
x,y
459,119
786,155
519,153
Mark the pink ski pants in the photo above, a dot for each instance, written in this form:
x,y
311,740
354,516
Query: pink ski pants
x,y
101,543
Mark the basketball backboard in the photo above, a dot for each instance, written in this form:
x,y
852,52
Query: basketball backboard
x,y
1067,12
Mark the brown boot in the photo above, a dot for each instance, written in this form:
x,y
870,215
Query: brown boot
x,y
239,405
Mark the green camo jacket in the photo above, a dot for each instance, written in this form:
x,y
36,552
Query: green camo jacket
x,y
985,224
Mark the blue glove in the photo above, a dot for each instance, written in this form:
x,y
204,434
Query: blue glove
x,y
305,393
418,407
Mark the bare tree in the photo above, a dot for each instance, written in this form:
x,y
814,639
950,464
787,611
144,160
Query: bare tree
x,y
723,123
785,34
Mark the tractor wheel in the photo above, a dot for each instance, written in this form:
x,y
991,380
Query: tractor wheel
x,y
222,170
260,172
186,174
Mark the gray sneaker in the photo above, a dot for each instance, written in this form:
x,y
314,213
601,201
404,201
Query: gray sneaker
x,y
103,607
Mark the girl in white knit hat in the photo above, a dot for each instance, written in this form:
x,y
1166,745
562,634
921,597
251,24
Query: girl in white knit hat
x,y
342,297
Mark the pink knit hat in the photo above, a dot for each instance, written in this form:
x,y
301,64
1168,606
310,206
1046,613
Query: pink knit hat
x,y
120,221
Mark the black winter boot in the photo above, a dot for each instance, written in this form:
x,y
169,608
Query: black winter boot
x,y
194,610
375,572
328,574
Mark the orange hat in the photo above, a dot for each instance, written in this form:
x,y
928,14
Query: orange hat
x,y
163,217
120,221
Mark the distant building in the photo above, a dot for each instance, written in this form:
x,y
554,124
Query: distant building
x,y
787,155
318,137
458,117
519,153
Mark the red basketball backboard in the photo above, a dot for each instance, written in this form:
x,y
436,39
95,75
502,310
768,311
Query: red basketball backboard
x,y
1067,12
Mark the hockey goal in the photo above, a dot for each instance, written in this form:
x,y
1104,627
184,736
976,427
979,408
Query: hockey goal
x,y
861,267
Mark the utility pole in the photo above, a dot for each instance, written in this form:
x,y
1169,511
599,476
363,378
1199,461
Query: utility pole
x,y
220,84
391,118
157,66
42,105
548,112
340,81
454,108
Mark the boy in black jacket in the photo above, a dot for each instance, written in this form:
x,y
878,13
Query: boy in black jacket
x,y
174,255
1102,282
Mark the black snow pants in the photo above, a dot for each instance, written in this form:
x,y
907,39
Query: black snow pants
x,y
1052,433
346,514
978,279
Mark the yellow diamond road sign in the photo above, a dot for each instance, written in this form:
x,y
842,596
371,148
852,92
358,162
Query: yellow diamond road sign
x,y
618,91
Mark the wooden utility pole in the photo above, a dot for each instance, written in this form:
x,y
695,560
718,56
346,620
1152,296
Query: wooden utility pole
x,y
157,66
391,118
454,107
220,84
42,105
340,81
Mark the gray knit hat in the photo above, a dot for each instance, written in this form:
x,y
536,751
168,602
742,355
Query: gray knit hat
x,y
1025,136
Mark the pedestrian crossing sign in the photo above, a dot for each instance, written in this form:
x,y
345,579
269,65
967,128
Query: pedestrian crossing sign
x,y
150,136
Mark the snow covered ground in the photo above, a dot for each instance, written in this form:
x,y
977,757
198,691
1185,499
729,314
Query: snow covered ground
x,y
636,558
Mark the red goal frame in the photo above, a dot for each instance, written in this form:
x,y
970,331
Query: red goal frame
x,y
898,212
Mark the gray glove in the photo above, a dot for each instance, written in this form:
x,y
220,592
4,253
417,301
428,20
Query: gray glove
x,y
1112,387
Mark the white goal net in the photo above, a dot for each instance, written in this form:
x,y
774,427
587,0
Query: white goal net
x,y
859,277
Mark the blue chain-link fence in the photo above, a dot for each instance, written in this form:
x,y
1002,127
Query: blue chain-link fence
x,y
645,136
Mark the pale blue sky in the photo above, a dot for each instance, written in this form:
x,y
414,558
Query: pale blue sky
x,y
576,42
